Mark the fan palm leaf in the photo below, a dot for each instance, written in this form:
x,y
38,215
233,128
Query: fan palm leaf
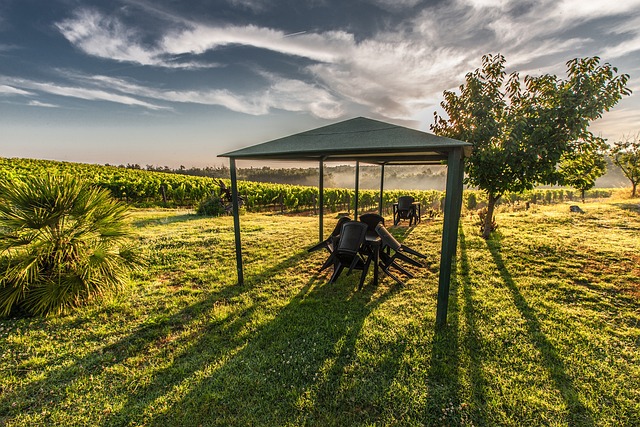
x,y
60,244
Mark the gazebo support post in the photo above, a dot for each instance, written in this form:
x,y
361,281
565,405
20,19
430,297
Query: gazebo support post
x,y
236,218
321,201
381,189
452,208
355,213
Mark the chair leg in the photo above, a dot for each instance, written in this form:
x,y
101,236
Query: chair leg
x,y
365,270
393,276
353,264
401,269
328,262
336,272
407,259
412,252
318,246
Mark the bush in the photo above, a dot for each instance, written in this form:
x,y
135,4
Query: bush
x,y
62,243
211,206
472,202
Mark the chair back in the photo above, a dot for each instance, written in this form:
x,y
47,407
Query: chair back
x,y
405,202
372,220
387,238
338,227
352,237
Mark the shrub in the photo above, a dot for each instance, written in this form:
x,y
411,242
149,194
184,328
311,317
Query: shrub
x,y
211,206
472,202
62,243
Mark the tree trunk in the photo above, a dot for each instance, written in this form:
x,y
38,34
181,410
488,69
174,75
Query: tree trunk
x,y
633,189
487,227
582,194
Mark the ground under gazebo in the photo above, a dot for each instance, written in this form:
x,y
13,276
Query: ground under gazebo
x,y
368,141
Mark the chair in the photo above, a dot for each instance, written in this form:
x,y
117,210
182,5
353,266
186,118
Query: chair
x,y
372,220
400,251
329,241
348,251
405,209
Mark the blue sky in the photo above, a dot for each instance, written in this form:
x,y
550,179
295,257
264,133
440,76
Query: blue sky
x,y
166,82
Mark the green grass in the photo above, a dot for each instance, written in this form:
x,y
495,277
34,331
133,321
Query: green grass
x,y
544,329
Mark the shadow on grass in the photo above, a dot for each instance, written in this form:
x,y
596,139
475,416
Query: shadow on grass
x,y
158,332
629,206
472,342
294,366
166,220
443,377
578,414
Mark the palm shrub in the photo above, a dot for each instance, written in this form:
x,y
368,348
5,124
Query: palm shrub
x,y
62,243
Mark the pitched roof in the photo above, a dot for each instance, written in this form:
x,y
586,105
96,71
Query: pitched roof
x,y
359,139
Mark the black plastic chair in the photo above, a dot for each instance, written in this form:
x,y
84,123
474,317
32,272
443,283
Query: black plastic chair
x,y
393,250
405,209
372,220
329,241
349,251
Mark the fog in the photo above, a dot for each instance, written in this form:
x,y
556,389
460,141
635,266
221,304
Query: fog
x,y
395,177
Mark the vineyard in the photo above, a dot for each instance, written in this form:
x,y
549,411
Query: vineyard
x,y
146,188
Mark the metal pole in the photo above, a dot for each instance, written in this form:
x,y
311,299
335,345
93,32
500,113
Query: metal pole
x,y
452,208
321,201
236,219
355,214
381,189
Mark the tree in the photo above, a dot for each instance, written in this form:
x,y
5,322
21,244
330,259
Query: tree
x,y
626,155
62,243
582,167
520,134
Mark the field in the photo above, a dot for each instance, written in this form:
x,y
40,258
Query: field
x,y
544,329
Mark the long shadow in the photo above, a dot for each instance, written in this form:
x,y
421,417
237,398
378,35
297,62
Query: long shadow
x,y
166,220
472,341
443,377
292,369
579,415
633,207
156,332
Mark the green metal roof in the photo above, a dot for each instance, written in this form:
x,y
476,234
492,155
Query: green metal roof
x,y
358,139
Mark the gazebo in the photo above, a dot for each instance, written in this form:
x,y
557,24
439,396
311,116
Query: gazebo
x,y
363,140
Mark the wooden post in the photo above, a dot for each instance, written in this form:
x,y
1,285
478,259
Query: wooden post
x,y
355,214
452,208
321,201
381,189
236,218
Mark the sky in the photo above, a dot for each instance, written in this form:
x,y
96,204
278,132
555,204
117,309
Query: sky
x,y
168,82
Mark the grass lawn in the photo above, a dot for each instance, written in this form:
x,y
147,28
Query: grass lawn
x,y
544,329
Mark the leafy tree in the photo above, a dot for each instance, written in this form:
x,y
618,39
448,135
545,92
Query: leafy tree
x,y
582,167
626,155
61,244
520,133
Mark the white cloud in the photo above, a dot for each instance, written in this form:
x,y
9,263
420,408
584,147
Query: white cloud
x,y
41,104
107,37
280,93
618,122
78,92
630,29
395,73
285,94
325,47
10,90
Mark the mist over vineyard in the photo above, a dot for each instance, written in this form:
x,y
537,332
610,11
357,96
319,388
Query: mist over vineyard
x,y
343,176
